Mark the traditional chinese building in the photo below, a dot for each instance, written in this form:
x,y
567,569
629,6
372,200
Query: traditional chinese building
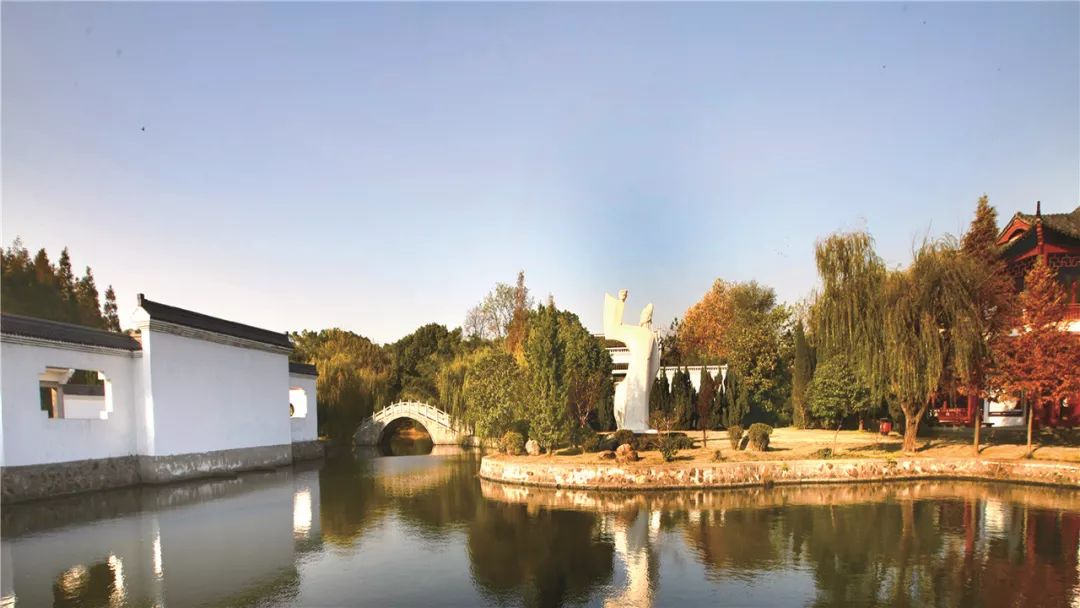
x,y
1054,237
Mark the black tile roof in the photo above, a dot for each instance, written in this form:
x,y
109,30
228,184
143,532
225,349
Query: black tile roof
x,y
1065,223
188,318
305,369
18,325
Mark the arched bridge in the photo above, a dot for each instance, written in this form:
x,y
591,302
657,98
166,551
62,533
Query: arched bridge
x,y
438,423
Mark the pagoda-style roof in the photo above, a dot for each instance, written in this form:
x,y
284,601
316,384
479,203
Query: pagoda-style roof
x,y
1017,237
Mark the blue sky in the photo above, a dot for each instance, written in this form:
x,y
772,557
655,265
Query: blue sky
x,y
379,166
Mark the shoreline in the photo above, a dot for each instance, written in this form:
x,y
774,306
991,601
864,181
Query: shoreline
x,y
543,471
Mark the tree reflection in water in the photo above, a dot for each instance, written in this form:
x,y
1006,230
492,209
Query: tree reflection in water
x,y
416,530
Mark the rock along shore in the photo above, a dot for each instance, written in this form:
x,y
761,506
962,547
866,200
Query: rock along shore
x,y
549,472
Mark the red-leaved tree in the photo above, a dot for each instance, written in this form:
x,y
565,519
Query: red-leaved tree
x,y
1040,360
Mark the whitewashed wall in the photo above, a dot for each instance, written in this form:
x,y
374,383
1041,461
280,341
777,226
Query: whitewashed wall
x,y
31,437
206,396
306,427
694,371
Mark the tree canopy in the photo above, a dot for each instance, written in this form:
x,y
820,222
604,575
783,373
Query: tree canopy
x,y
37,288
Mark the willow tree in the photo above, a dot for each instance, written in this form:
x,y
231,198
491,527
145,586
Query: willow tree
x,y
908,333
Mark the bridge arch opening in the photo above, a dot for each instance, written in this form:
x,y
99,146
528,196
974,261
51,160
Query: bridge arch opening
x,y
405,436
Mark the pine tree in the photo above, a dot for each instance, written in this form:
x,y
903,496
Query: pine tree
x,y
112,319
65,279
994,296
87,304
545,400
682,394
706,399
656,396
737,400
1039,362
801,373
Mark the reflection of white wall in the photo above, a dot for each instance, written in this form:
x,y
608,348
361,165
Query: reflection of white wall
x,y
211,551
31,437
304,427
208,396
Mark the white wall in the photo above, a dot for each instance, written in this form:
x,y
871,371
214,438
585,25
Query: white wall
x,y
209,396
305,428
31,437
694,371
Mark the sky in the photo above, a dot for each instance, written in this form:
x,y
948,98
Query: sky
x,y
376,167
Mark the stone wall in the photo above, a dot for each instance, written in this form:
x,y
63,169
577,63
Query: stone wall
x,y
542,471
58,479
42,480
307,450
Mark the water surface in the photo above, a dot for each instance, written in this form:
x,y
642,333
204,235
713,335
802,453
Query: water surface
x,y
422,530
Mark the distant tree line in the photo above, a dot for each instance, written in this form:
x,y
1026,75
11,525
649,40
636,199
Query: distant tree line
x,y
34,286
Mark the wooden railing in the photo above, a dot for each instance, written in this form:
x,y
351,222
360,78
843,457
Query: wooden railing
x,y
1073,312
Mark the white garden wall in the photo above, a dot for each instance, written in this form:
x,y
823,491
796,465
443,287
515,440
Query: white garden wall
x,y
304,427
31,437
205,396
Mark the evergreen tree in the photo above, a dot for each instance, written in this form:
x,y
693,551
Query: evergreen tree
x,y
706,400
87,304
545,399
34,287
802,370
65,279
995,299
738,400
112,319
682,395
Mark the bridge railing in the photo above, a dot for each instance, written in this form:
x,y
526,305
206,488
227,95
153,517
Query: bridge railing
x,y
413,408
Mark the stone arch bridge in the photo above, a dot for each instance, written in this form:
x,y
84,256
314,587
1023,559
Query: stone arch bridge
x,y
443,429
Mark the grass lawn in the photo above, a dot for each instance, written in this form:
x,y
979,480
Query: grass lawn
x,y
799,444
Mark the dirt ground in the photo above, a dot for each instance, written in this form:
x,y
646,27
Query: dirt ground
x,y
798,444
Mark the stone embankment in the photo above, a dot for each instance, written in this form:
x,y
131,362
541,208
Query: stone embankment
x,y
549,472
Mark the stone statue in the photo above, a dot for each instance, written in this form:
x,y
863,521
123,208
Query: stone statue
x,y
632,394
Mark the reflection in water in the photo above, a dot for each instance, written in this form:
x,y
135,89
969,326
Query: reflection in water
x,y
405,437
354,531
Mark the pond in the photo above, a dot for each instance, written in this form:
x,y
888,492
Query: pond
x,y
423,530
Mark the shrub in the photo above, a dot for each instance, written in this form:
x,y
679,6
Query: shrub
x,y
683,442
823,453
668,443
622,436
734,433
759,436
512,443
590,441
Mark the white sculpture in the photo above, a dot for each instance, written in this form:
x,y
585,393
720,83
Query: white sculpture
x,y
632,394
